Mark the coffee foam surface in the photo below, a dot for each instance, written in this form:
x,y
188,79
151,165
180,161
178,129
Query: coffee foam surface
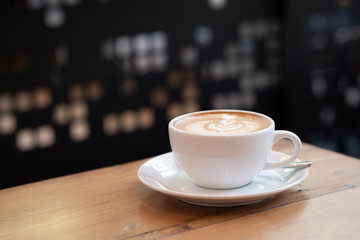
x,y
222,123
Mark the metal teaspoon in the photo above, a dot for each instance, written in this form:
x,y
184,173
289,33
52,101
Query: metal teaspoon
x,y
303,164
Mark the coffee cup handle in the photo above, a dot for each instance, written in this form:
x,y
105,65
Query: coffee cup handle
x,y
281,134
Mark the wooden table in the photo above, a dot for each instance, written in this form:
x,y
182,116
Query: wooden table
x,y
111,203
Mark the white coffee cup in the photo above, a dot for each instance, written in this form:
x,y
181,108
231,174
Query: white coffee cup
x,y
223,149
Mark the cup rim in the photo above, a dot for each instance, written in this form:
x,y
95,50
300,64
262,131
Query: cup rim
x,y
271,126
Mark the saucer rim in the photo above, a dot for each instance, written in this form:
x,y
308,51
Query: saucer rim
x,y
232,196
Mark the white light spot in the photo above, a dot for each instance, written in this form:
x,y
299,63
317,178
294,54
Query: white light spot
x,y
141,44
189,56
54,17
342,35
62,114
352,97
128,121
217,4
79,110
25,140
146,117
110,124
45,136
123,47
42,97
159,41
79,130
7,123
23,101
203,35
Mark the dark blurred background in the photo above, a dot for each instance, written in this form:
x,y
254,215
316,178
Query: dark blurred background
x,y
87,84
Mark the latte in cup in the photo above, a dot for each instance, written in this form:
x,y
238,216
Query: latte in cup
x,y
223,149
222,123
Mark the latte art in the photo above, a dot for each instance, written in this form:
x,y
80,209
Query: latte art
x,y
223,123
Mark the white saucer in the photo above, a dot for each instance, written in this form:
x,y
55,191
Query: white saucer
x,y
162,174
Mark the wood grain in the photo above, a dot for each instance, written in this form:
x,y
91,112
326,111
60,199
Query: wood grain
x,y
111,203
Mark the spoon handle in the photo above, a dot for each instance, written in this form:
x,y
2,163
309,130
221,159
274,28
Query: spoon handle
x,y
303,164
